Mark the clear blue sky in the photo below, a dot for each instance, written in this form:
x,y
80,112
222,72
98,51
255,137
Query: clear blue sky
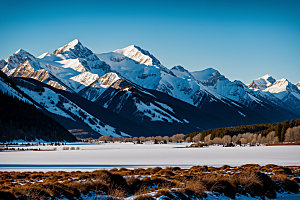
x,y
242,39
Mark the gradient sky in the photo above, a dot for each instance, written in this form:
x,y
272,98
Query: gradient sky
x,y
242,39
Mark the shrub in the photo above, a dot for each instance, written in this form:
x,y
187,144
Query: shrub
x,y
224,187
291,186
284,184
208,181
155,170
117,192
167,173
255,184
135,185
196,186
283,170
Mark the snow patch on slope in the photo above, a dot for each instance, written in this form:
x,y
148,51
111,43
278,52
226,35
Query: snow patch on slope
x,y
10,91
154,112
48,99
93,122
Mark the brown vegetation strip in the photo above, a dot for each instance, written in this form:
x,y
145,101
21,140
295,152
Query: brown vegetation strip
x,y
255,180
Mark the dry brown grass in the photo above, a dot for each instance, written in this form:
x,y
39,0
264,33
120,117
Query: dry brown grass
x,y
246,179
196,186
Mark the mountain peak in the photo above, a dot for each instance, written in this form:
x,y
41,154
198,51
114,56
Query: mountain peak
x,y
266,76
75,49
67,47
262,82
181,72
74,42
133,46
140,55
21,51
179,68
44,55
205,74
21,54
281,86
19,57
283,80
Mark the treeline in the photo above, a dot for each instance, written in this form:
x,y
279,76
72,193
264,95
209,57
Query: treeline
x,y
23,121
278,130
291,135
288,131
177,138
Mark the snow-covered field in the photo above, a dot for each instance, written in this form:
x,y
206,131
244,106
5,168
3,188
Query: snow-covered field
x,y
105,156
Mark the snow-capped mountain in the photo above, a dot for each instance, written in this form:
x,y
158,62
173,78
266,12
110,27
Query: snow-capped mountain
x,y
161,112
219,84
262,82
286,92
282,85
71,67
157,77
282,91
129,91
14,61
68,68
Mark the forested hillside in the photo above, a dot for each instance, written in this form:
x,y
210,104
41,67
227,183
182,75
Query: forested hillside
x,y
279,129
22,121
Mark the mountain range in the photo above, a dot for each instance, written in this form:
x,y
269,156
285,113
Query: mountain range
x,y
129,92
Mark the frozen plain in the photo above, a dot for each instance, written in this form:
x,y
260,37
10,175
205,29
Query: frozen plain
x,y
116,155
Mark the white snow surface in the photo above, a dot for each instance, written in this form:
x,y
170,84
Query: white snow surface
x,y
116,155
